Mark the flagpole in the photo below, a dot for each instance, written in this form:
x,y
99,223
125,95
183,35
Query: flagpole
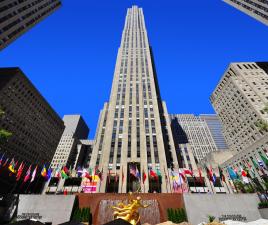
x,y
171,185
158,183
122,180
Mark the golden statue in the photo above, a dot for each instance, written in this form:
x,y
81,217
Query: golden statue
x,y
129,212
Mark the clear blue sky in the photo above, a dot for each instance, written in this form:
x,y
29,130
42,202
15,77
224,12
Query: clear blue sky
x,y
70,56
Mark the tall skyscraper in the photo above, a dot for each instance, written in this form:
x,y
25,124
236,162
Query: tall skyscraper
x,y
36,128
191,129
257,9
240,100
18,16
67,151
215,127
134,134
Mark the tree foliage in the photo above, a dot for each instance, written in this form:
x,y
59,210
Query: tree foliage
x,y
265,109
4,134
262,125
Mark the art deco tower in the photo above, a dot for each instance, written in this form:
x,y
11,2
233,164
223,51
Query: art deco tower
x,y
133,129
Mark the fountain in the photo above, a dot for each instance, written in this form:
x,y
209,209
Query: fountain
x,y
149,214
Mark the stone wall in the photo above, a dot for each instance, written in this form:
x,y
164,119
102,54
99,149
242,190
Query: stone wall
x,y
243,207
53,209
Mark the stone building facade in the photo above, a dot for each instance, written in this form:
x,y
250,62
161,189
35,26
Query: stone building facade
x,y
257,9
240,100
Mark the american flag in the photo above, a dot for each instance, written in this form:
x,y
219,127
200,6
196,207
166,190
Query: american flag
x,y
132,170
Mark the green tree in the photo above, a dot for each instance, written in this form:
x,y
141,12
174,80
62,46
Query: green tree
x,y
262,125
1,112
4,134
265,109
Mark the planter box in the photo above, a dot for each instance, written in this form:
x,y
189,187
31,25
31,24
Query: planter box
x,y
264,213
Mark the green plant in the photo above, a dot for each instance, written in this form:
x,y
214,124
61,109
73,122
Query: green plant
x,y
240,186
263,205
249,189
176,215
211,218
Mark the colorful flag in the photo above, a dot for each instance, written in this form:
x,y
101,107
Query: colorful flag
x,y
264,159
138,175
182,175
49,172
261,164
20,171
232,173
28,174
98,172
200,175
86,175
79,171
5,163
123,176
158,172
11,166
34,174
44,171
65,169
2,159
209,174
255,164
222,177
58,173
189,172
214,178
180,180
143,176
132,170
153,174
90,171
243,172
244,176
64,175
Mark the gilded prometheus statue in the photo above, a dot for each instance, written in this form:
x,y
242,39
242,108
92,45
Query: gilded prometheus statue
x,y
129,212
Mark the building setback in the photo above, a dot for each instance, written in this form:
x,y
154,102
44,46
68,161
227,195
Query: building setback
x,y
36,128
215,128
192,130
18,16
133,129
67,151
240,100
257,9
